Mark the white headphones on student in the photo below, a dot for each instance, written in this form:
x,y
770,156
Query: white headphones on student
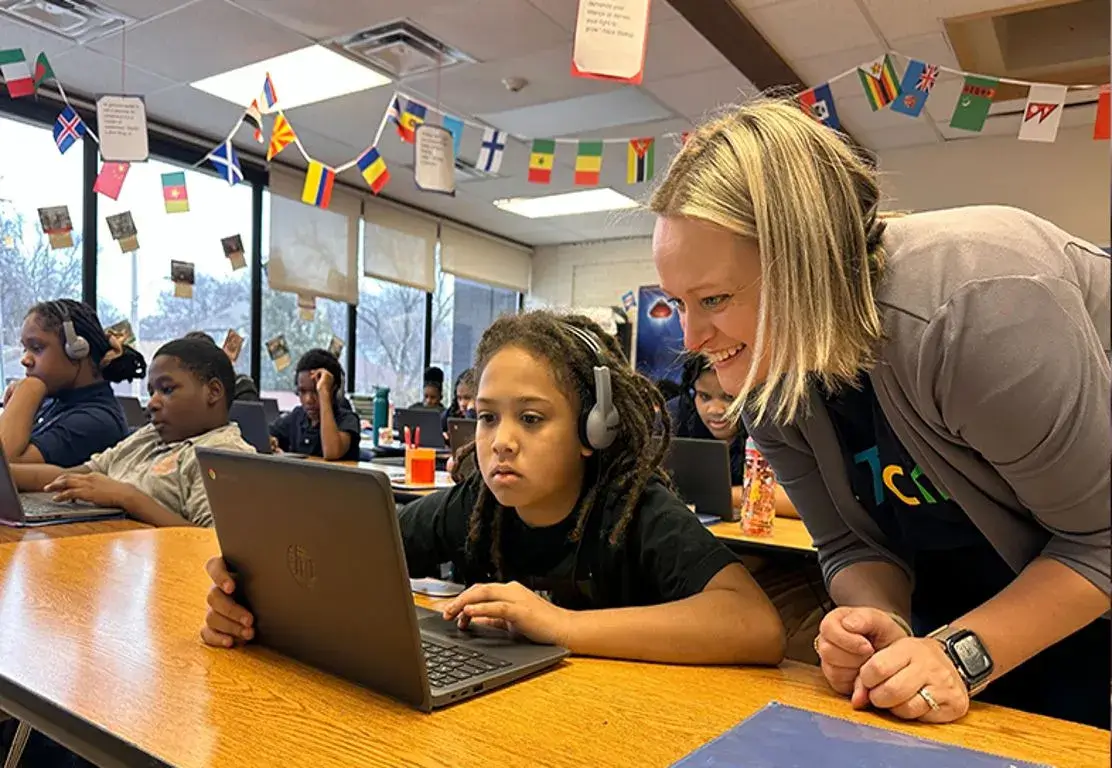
x,y
76,346
598,424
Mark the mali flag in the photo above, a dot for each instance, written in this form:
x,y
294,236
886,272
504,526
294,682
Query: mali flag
x,y
413,116
540,161
639,160
374,170
318,185
588,162
174,193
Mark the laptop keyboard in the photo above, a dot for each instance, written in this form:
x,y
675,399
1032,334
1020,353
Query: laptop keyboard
x,y
448,665
38,507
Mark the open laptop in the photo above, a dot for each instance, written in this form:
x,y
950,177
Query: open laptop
x,y
134,412
270,408
23,510
426,419
461,432
342,568
700,470
251,418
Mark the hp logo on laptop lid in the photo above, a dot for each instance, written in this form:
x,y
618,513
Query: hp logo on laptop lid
x,y
301,566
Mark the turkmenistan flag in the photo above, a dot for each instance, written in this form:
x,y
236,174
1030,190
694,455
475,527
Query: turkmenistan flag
x,y
588,162
639,160
973,104
540,161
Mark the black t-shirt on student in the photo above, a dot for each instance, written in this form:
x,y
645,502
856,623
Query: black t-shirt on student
x,y
296,434
664,555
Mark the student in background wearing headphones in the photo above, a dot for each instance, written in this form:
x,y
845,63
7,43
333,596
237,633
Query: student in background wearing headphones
x,y
569,503
64,411
324,424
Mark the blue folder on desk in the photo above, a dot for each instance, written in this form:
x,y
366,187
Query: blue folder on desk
x,y
779,736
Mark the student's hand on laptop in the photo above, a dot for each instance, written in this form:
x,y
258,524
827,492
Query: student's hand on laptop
x,y
227,623
93,488
848,637
274,447
514,608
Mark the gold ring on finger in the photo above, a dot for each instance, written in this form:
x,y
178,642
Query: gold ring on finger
x,y
927,697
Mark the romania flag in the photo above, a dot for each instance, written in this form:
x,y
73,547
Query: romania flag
x,y
879,80
588,162
318,185
540,161
374,170
413,116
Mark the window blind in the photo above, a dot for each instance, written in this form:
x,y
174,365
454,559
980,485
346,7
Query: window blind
x,y
399,246
482,259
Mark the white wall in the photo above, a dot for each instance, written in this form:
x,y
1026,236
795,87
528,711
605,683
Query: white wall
x,y
1066,182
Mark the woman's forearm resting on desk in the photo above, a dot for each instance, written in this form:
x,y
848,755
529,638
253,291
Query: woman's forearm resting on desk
x,y
334,443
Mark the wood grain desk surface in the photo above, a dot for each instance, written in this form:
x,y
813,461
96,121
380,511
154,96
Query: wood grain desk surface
x,y
787,533
106,628
9,534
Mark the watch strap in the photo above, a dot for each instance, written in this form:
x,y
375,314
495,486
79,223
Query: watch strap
x,y
942,635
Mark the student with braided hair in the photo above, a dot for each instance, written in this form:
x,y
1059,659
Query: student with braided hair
x,y
568,502
64,411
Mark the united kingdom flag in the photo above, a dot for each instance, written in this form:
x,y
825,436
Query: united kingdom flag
x,y
68,128
927,78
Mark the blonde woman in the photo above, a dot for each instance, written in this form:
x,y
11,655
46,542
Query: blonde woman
x,y
933,393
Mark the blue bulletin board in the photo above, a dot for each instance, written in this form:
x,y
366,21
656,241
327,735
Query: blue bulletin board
x,y
659,336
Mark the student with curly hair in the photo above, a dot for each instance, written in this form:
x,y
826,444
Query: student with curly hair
x,y
64,411
568,502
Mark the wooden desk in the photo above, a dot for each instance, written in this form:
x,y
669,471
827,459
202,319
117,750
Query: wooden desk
x,y
100,650
62,530
787,534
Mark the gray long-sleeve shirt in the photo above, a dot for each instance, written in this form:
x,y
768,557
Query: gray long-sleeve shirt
x,y
994,374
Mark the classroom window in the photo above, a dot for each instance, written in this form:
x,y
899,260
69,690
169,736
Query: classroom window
x,y
34,175
390,339
462,311
136,284
281,316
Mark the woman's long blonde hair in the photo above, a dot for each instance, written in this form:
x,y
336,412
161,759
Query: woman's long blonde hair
x,y
770,173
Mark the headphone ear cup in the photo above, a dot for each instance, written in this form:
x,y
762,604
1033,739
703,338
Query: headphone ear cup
x,y
601,428
76,347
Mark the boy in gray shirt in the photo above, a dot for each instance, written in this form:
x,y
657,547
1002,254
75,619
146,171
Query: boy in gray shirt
x,y
153,475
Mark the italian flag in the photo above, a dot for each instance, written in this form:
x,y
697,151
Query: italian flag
x,y
16,73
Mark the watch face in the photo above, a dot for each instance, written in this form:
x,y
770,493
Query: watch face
x,y
973,657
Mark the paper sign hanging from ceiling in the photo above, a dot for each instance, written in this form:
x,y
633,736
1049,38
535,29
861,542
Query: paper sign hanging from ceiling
x,y
434,162
181,272
122,228
233,251
57,226
122,122
610,40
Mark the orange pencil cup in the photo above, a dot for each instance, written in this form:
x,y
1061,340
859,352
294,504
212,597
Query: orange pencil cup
x,y
420,466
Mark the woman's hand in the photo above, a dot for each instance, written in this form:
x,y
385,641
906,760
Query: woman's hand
x,y
511,607
227,623
93,488
894,677
848,637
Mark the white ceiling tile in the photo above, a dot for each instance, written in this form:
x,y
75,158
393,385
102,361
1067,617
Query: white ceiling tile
x,y
336,18
85,71
914,134
656,128
747,5
621,106
932,48
194,110
195,42
899,18
800,29
351,119
144,9
563,12
493,29
698,94
856,115
676,48
31,40
819,69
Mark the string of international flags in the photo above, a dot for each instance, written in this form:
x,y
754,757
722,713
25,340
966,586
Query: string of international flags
x,y
882,86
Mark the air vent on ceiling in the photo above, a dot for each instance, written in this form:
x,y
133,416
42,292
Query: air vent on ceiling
x,y
401,49
77,20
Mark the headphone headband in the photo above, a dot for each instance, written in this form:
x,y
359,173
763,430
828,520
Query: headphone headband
x,y
599,424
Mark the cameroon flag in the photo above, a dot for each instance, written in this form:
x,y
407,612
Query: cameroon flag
x,y
540,161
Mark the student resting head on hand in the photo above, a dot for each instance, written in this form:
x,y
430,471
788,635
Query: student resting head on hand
x,y
567,531
64,411
153,475
324,423
931,390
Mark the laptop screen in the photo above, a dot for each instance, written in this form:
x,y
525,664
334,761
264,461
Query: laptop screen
x,y
10,508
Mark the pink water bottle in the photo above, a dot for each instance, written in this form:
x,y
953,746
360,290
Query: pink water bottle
x,y
759,487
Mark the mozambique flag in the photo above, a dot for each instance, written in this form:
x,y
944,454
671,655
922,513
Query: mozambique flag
x,y
588,162
318,185
174,192
374,170
540,161
879,80
281,136
639,160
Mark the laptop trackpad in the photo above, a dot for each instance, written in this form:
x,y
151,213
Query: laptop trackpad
x,y
475,635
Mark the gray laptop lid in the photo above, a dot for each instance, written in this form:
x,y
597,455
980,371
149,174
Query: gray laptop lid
x,y
10,507
700,470
324,573
461,432
251,418
428,420
134,412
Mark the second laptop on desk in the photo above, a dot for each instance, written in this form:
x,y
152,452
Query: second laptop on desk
x,y
324,573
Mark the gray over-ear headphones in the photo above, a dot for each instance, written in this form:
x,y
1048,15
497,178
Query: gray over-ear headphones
x,y
76,346
598,425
